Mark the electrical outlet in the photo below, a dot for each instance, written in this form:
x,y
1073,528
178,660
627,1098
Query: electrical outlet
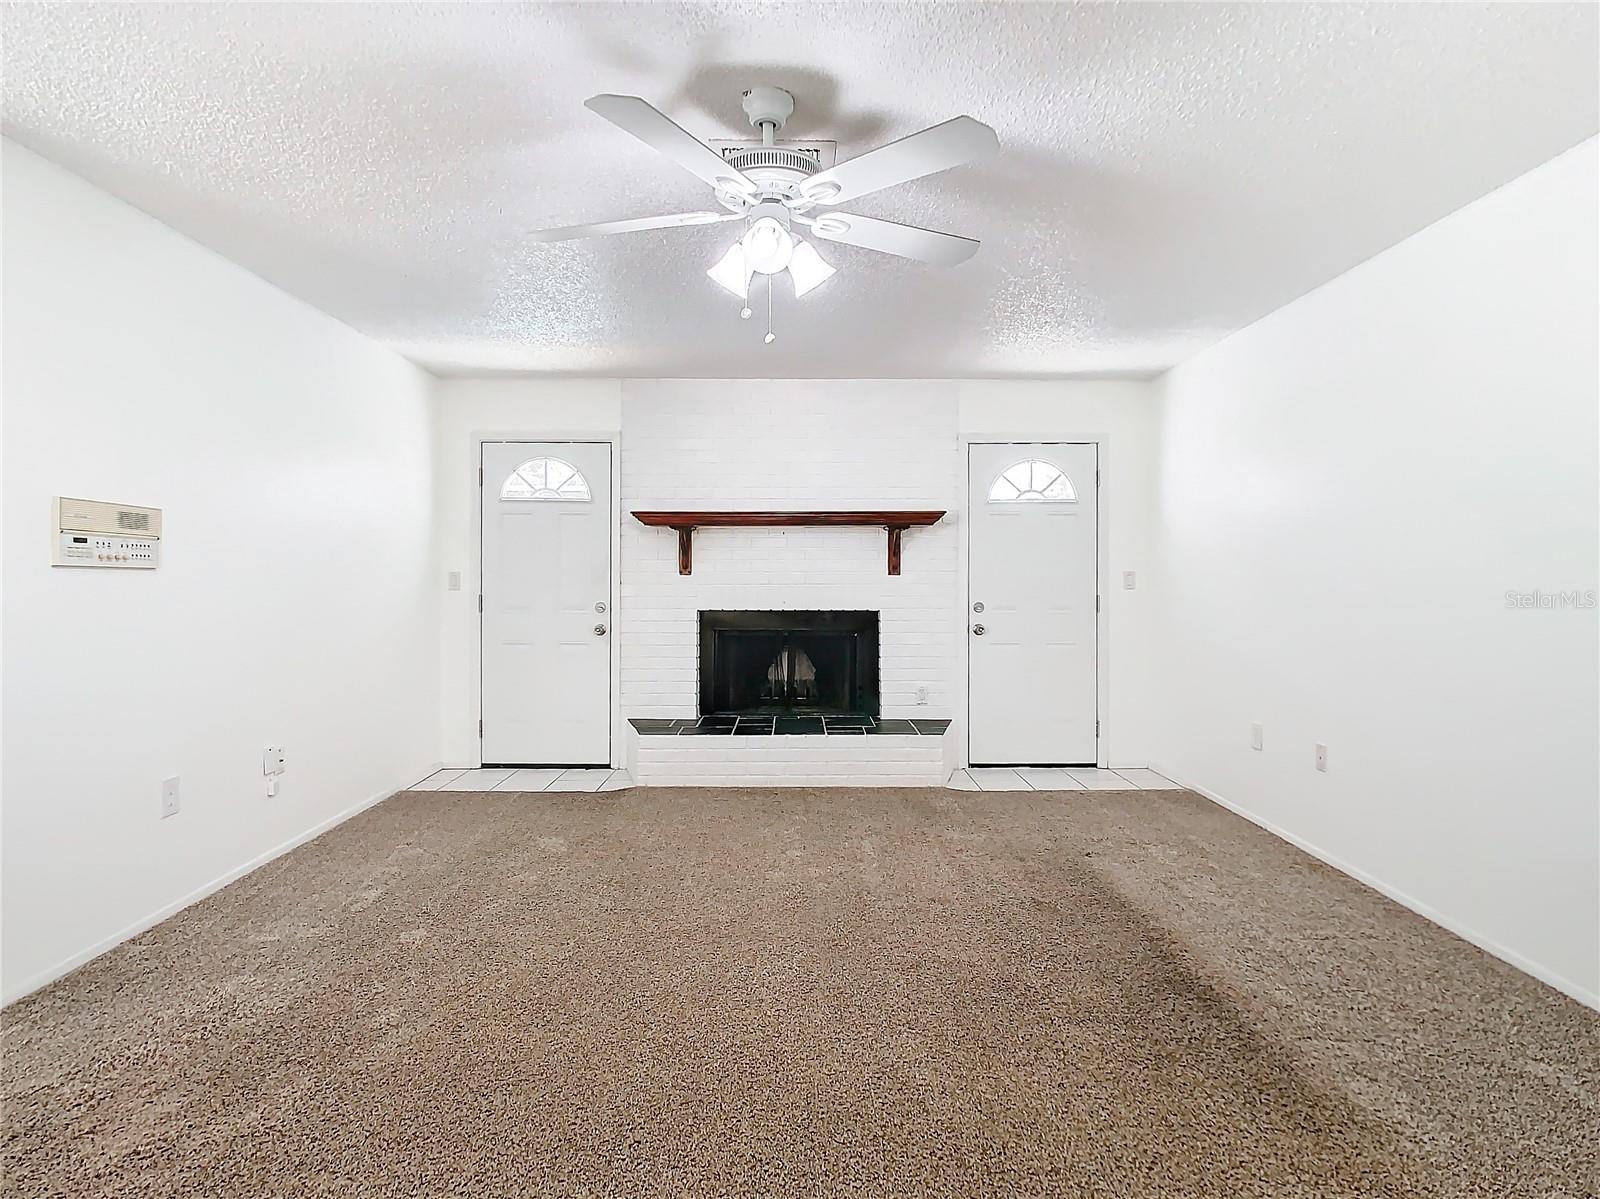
x,y
169,797
453,580
1130,580
273,760
922,695
1322,757
1255,736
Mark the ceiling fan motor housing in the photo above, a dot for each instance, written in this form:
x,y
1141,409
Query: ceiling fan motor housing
x,y
776,172
795,163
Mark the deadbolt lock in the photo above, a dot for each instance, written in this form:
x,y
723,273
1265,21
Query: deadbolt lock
x,y
600,607
978,607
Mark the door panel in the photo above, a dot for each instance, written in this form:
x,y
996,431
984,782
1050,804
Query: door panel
x,y
546,599
1033,569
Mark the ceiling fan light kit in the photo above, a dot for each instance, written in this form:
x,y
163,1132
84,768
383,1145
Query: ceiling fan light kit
x,y
774,189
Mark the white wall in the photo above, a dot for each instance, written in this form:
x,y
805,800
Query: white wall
x,y
1348,490
785,443
293,460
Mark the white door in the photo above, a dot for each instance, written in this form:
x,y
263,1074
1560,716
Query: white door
x,y
546,588
1031,615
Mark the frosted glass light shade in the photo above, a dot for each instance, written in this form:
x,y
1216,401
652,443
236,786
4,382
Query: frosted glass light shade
x,y
733,271
768,246
807,269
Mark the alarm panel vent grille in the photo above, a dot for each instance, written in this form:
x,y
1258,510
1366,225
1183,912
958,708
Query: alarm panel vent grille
x,y
97,516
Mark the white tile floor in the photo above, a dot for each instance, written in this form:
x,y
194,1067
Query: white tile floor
x,y
983,778
1071,778
554,779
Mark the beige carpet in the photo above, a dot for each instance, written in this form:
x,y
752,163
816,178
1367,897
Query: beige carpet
x,y
754,993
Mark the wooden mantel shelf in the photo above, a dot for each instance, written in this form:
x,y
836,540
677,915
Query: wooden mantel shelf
x,y
895,520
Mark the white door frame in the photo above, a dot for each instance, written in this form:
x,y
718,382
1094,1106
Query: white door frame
x,y
610,438
1102,654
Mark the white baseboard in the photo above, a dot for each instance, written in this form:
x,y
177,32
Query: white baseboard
x,y
145,923
1512,958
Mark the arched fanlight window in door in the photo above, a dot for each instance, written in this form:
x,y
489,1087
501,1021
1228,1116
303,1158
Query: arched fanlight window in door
x,y
1032,482
545,479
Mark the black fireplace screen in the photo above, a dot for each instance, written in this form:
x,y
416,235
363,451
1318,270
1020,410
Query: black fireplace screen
x,y
755,663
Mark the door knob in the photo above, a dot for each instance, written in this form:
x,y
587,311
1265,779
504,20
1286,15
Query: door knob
x,y
599,630
977,630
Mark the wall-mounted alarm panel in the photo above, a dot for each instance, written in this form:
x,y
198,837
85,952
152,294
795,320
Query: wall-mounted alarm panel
x,y
94,533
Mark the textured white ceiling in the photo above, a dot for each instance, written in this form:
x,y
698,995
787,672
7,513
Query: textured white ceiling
x,y
1169,172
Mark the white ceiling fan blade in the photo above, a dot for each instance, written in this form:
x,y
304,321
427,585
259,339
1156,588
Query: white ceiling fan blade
x,y
601,228
660,132
958,140
888,237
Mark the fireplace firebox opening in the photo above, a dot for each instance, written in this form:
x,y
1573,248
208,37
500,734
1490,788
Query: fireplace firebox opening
x,y
788,663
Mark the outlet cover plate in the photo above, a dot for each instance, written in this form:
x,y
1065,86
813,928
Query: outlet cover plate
x,y
169,797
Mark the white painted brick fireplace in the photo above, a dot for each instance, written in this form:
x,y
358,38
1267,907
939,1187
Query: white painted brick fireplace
x,y
817,445
821,445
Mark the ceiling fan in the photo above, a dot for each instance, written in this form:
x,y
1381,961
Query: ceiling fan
x,y
775,191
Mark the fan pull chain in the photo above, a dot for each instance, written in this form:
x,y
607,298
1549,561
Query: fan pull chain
x,y
771,336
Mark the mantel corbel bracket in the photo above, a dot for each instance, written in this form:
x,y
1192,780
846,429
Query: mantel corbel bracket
x,y
685,549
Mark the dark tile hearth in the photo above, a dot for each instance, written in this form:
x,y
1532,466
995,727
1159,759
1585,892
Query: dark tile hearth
x,y
809,726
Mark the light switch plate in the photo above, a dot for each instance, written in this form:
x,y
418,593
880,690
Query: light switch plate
x,y
1255,736
1322,757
